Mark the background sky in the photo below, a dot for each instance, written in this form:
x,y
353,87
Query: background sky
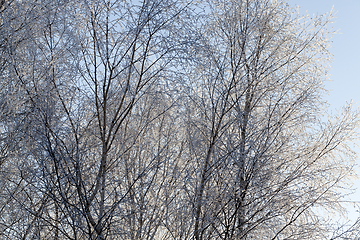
x,y
345,76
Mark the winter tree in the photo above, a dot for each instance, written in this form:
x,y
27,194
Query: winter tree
x,y
169,120
100,146
264,161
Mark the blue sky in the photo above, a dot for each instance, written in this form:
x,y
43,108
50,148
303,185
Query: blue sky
x,y
345,84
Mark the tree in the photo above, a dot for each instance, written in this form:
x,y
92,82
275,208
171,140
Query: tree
x,y
266,160
170,120
15,19
94,77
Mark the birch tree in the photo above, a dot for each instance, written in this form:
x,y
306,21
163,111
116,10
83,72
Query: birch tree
x,y
169,120
15,19
267,162
100,144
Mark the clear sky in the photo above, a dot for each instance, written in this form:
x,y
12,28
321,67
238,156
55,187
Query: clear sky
x,y
345,84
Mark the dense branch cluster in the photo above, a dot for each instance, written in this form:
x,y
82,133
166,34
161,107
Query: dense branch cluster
x,y
168,119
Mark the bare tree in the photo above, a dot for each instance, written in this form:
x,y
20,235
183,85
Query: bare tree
x,y
267,163
169,120
15,20
101,144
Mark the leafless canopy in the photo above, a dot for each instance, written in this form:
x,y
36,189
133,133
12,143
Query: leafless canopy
x,y
169,119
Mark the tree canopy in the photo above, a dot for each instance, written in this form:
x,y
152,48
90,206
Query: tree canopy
x,y
169,119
